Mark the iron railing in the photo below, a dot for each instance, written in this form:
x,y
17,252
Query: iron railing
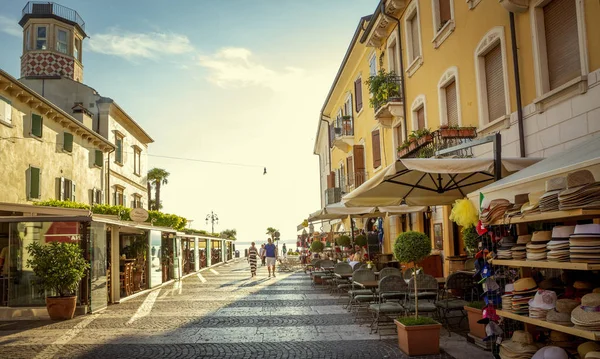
x,y
333,195
343,127
350,182
427,146
49,8
389,90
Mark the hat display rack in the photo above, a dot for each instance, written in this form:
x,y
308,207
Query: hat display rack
x,y
539,267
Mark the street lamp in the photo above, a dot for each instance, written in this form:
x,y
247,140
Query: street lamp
x,y
212,218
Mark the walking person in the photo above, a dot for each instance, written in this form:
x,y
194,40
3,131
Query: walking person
x,y
284,252
252,258
261,253
271,254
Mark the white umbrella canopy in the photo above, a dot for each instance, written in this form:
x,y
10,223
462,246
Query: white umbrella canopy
x,y
430,181
340,211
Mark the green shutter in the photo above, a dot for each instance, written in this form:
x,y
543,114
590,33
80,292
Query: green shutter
x,y
119,153
36,125
68,142
99,158
34,182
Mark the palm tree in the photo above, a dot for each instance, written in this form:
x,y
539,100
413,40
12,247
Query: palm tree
x,y
157,177
271,231
229,234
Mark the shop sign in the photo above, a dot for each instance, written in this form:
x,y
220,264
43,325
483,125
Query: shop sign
x,y
138,215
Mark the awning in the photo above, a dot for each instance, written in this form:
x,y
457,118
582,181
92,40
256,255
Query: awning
x,y
340,211
144,226
49,218
430,181
533,178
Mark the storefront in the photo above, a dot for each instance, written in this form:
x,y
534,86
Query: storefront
x,y
229,246
202,250
216,249
188,255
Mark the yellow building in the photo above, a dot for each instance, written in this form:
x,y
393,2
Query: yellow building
x,y
528,69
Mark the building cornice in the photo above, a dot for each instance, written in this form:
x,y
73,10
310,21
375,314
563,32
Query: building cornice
x,y
128,180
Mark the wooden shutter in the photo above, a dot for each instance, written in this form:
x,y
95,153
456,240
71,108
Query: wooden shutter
x,y
494,82
421,118
331,180
331,134
36,125
562,42
358,94
376,149
359,165
350,170
451,104
34,182
119,151
445,14
414,35
68,142
98,158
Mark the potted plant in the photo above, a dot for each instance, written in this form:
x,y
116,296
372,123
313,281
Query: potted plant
x,y
423,136
416,335
344,241
360,240
467,132
470,239
474,314
448,131
60,267
385,87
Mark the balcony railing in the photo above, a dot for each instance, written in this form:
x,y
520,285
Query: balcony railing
x,y
388,89
49,8
427,145
344,127
333,195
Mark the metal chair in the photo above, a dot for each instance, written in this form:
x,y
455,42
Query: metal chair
x,y
321,274
456,288
389,271
427,292
358,296
340,284
390,284
408,274
470,264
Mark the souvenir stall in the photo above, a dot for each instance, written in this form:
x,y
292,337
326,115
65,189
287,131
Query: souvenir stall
x,y
539,257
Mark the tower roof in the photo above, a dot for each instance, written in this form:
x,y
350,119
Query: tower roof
x,y
44,9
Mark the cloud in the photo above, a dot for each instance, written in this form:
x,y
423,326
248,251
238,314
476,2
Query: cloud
x,y
140,45
10,26
233,67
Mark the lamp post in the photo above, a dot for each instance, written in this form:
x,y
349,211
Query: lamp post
x,y
212,217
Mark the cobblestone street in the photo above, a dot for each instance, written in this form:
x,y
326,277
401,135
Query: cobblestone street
x,y
219,313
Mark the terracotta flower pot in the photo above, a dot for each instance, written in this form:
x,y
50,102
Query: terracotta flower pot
x,y
419,339
61,308
475,329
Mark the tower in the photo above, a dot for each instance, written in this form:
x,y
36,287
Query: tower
x,y
52,41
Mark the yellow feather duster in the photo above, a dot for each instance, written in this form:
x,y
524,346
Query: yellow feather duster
x,y
464,213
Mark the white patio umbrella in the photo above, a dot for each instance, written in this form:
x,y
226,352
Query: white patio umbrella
x,y
430,181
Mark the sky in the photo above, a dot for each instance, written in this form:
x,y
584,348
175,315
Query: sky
x,y
236,81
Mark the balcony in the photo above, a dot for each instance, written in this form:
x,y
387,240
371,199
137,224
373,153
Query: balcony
x,y
424,144
333,195
344,133
350,182
44,9
386,97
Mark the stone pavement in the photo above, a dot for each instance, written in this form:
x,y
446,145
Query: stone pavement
x,y
219,313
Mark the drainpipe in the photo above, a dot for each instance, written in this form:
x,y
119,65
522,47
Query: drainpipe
x,y
107,196
404,129
513,39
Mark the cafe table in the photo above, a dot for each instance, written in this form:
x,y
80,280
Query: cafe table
x,y
343,275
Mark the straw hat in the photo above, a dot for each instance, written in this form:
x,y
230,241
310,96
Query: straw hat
x,y
562,231
520,342
588,313
533,203
593,355
566,305
541,236
591,230
551,352
524,285
560,339
582,191
583,285
524,239
587,347
544,299
559,318
520,200
579,178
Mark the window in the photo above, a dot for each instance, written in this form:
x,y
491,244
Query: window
x,y
413,36
27,39
37,124
136,201
419,113
119,150
119,196
41,41
373,65
66,189
443,20
360,171
77,49
444,13
421,118
68,142
97,196
62,44
137,160
397,133
562,42
5,110
449,98
34,184
494,82
358,94
492,79
376,143
392,52
350,170
98,158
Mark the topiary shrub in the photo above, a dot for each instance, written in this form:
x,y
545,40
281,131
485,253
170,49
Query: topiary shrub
x,y
316,246
412,247
360,240
344,241
470,238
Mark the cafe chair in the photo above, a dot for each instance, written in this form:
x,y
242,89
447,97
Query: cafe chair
x,y
390,285
458,286
427,292
341,284
359,296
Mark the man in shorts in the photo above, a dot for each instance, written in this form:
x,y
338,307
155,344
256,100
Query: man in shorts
x,y
271,255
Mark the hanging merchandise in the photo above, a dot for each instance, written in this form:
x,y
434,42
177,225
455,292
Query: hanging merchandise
x,y
464,213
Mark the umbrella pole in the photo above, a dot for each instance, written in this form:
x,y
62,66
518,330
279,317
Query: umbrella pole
x,y
352,230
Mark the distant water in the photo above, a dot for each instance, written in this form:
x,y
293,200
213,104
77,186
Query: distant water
x,y
242,245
